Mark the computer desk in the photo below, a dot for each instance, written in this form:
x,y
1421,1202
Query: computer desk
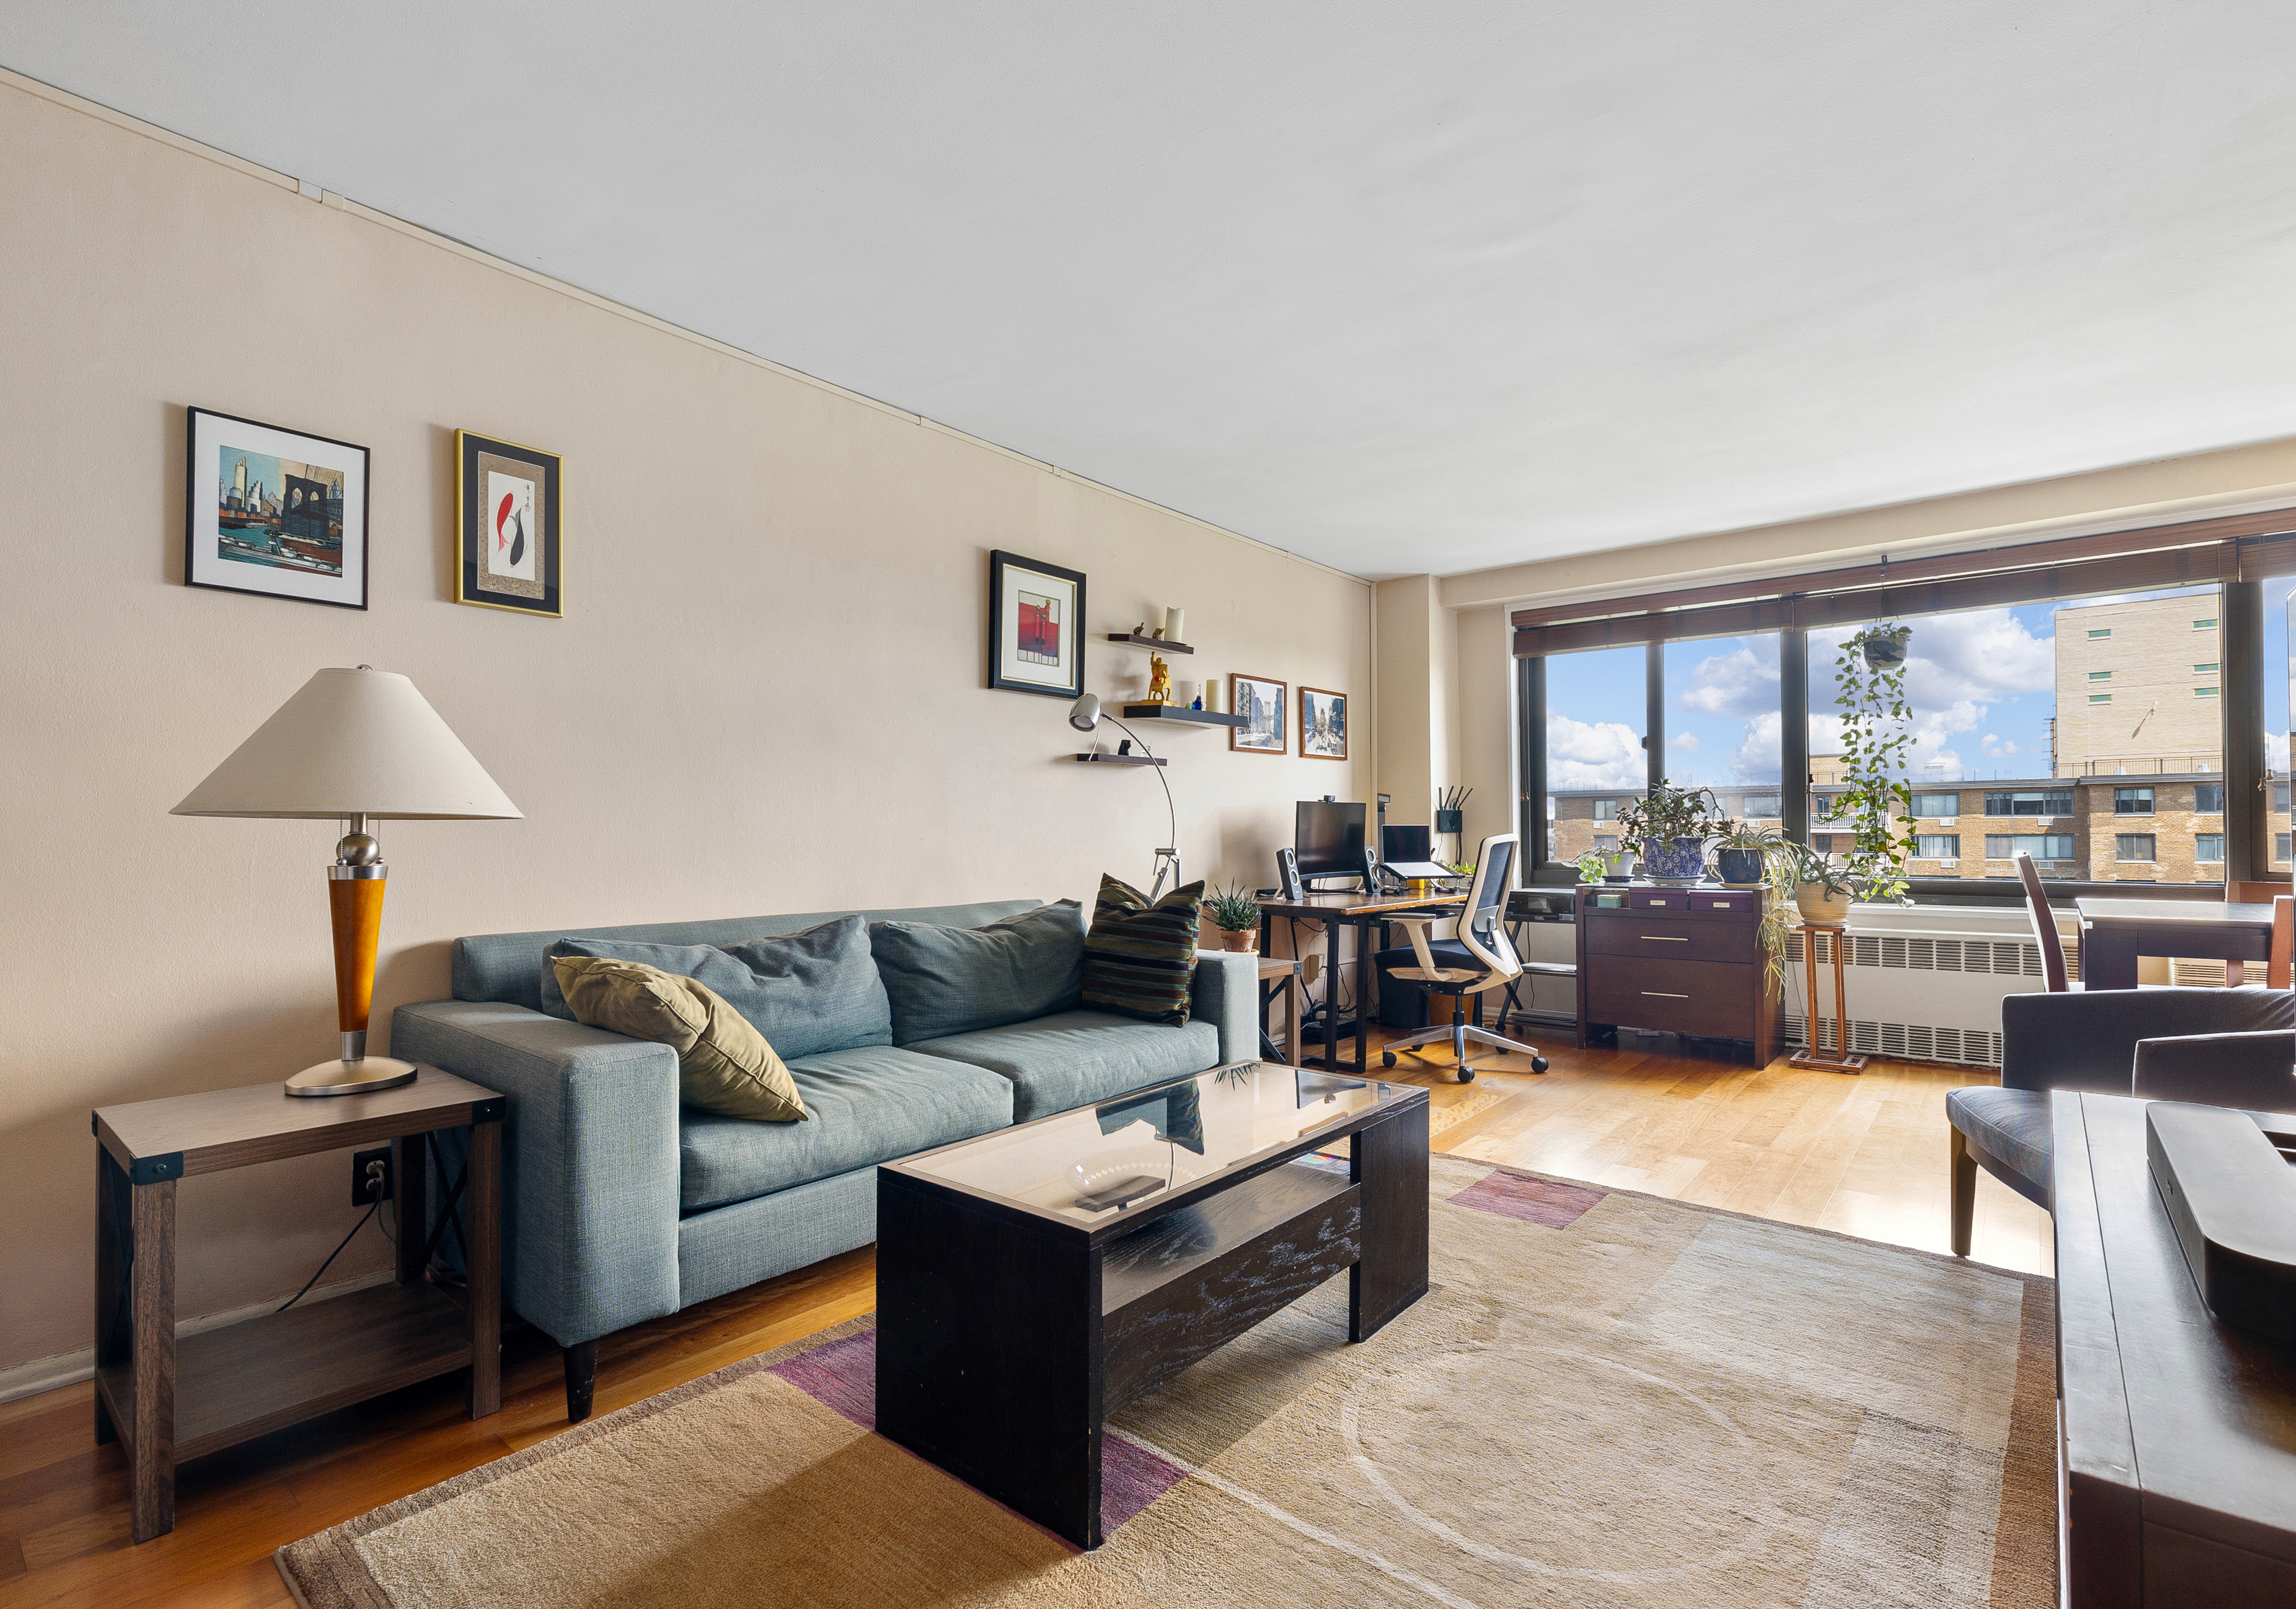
x,y
1356,911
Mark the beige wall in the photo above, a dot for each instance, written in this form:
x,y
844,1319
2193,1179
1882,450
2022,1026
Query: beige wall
x,y
766,695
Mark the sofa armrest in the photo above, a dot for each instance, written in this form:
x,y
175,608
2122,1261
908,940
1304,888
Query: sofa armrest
x,y
590,1159
1225,993
2256,1072
2086,1039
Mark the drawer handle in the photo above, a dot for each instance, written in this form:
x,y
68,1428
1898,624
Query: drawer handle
x,y
1719,904
1662,938
1658,902
1665,994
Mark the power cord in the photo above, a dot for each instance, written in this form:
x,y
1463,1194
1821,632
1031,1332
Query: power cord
x,y
338,1252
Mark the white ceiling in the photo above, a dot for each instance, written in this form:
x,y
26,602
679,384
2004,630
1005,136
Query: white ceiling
x,y
1399,287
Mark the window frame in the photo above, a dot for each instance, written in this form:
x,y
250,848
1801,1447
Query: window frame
x,y
2234,554
2149,841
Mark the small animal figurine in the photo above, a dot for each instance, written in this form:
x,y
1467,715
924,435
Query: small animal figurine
x,y
1160,680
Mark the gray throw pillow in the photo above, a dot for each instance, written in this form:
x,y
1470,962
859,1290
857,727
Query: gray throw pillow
x,y
958,979
806,992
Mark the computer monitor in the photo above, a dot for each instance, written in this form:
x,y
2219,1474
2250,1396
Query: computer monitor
x,y
1399,844
1329,839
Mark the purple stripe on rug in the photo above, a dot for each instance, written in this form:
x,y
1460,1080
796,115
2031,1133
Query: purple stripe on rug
x,y
1533,1201
843,1375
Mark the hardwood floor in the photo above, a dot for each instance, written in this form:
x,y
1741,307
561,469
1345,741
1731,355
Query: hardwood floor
x,y
1865,1155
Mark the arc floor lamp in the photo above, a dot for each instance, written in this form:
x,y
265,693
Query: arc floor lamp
x,y
361,746
1085,715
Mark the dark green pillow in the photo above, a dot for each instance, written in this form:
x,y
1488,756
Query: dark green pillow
x,y
1140,959
959,980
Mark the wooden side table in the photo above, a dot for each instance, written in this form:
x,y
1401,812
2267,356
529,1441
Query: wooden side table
x,y
1841,1058
1284,972
167,1400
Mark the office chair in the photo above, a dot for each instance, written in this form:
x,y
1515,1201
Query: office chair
x,y
1483,936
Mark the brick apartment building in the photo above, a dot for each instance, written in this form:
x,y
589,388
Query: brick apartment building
x,y
2136,749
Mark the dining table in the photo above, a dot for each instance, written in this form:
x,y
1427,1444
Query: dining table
x,y
2113,933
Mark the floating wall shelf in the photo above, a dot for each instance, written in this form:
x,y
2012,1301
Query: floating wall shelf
x,y
1138,641
1119,759
1179,715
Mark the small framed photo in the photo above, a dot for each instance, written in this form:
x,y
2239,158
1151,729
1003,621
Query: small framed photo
x,y
1260,702
507,550
274,511
1036,626
1322,723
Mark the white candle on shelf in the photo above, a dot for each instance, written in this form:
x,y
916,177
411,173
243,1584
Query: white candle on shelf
x,y
1176,625
1211,696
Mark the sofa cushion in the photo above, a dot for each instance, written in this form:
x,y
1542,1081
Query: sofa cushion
x,y
1073,1058
2012,1126
724,1065
508,966
868,1105
1140,959
814,990
954,979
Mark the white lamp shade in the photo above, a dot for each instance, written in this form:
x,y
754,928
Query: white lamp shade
x,y
352,743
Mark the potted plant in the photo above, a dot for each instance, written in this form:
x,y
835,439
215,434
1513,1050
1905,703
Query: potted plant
x,y
1822,888
1742,851
1883,646
1669,827
1236,913
1877,740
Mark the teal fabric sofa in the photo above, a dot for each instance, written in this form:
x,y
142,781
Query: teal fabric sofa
x,y
620,1205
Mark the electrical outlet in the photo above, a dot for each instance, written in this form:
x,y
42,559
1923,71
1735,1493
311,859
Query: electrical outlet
x,y
365,1176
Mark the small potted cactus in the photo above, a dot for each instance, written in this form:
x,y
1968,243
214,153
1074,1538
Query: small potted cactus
x,y
1237,914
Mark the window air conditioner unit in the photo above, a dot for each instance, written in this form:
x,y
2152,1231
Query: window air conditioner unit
x,y
2045,821
1948,821
1926,985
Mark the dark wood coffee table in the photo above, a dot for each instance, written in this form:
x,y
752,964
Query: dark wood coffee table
x,y
2177,1433
1012,1320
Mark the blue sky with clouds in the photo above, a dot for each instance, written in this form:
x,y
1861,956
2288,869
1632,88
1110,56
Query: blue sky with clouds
x,y
1982,684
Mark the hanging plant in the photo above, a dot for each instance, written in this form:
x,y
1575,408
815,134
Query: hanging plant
x,y
1884,645
1877,739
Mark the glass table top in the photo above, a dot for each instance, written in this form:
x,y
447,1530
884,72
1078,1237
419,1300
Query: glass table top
x,y
1089,1165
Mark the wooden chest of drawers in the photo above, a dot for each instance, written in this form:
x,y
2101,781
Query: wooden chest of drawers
x,y
1686,961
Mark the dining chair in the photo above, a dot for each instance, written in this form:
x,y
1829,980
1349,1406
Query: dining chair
x,y
2045,928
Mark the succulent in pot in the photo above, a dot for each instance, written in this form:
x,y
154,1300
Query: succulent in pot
x,y
1668,827
1237,914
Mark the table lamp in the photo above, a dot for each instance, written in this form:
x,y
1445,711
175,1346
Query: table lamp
x,y
359,746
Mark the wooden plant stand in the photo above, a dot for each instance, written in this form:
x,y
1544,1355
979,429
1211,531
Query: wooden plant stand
x,y
167,1399
1841,1058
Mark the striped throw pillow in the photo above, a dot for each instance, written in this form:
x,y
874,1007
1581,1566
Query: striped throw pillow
x,y
1140,959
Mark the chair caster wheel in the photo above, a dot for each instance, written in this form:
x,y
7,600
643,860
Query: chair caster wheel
x,y
1387,1058
1539,1064
1466,1075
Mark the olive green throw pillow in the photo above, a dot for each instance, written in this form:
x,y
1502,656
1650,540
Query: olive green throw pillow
x,y
724,1065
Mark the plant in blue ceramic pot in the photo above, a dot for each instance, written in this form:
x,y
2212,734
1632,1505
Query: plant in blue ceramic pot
x,y
1669,827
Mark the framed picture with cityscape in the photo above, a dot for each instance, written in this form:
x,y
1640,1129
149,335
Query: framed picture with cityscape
x,y
274,511
1322,723
506,543
1036,626
1260,702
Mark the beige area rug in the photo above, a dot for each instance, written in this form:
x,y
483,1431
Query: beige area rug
x,y
1606,1399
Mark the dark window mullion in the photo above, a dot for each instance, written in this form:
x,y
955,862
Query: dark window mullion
x,y
1793,733
1654,712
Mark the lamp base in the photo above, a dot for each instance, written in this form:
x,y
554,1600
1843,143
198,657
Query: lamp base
x,y
361,1076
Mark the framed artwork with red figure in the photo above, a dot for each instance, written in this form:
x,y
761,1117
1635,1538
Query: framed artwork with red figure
x,y
1036,626
506,542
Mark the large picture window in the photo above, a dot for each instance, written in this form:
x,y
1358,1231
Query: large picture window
x,y
2048,728
1596,716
